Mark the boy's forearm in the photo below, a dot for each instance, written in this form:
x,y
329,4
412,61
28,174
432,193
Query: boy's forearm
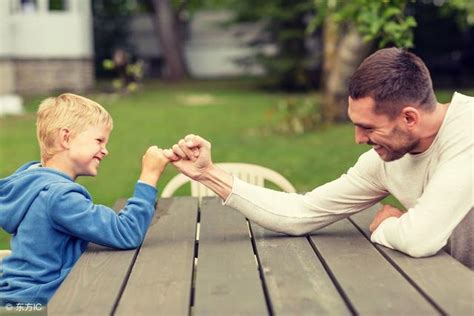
x,y
218,181
149,178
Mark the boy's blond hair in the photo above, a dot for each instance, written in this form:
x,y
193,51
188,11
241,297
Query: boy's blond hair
x,y
69,111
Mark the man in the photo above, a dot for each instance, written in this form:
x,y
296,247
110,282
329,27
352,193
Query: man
x,y
422,153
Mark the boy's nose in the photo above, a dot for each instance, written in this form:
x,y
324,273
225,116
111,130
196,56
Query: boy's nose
x,y
105,151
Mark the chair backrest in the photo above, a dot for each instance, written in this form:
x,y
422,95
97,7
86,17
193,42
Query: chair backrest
x,y
250,173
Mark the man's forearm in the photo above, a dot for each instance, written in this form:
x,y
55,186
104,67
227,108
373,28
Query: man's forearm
x,y
218,181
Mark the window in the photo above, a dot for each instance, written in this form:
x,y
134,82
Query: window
x,y
58,5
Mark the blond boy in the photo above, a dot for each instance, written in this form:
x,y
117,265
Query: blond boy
x,y
51,217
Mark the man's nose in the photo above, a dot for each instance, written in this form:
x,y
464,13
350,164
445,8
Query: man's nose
x,y
360,136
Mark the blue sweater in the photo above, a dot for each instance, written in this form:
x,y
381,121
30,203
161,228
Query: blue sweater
x,y
51,219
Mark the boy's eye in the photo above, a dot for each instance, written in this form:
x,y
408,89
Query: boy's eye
x,y
99,140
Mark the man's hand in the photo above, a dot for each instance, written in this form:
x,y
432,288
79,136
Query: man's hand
x,y
191,156
386,212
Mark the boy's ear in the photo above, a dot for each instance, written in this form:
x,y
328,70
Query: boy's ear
x,y
64,138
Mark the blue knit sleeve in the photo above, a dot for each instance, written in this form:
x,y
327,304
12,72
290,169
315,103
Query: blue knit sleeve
x,y
73,212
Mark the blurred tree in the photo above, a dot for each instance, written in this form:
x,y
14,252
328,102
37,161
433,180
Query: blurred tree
x,y
350,30
284,27
168,24
170,19
112,27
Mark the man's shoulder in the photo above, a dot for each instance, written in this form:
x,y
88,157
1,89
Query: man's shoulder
x,y
462,98
461,108
459,121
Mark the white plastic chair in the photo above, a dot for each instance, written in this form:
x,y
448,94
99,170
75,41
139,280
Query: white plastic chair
x,y
250,173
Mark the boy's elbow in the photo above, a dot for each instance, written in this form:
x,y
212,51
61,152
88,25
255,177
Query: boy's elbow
x,y
130,246
133,242
134,245
137,242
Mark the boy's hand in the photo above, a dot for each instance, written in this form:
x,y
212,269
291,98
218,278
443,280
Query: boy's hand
x,y
191,156
153,164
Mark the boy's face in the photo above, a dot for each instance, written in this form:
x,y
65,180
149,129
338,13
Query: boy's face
x,y
87,149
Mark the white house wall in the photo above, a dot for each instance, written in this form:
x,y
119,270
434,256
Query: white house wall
x,y
54,36
44,50
46,34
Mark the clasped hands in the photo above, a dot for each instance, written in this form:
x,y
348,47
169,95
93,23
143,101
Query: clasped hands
x,y
191,156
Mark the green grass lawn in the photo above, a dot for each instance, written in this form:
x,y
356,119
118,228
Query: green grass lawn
x,y
233,115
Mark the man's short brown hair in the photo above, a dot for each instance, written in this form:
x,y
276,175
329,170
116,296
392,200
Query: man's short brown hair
x,y
394,78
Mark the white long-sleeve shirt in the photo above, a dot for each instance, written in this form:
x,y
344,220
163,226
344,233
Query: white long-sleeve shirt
x,y
435,186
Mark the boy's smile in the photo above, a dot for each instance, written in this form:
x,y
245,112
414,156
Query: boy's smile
x,y
87,149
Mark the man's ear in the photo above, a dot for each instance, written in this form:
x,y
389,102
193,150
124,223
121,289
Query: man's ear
x,y
410,116
64,138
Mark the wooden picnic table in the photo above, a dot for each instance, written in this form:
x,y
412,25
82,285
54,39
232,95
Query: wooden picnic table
x,y
210,260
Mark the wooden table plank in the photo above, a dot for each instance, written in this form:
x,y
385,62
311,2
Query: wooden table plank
x,y
371,283
452,290
161,279
95,282
296,281
227,279
334,271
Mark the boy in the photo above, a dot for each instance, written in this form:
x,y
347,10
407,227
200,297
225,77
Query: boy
x,y
52,218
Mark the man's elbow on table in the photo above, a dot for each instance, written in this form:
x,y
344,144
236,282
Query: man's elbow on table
x,y
287,229
416,249
420,245
410,242
295,232
421,250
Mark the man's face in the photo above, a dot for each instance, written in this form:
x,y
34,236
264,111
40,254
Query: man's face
x,y
389,138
